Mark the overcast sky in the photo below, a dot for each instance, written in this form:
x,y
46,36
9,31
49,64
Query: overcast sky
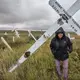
x,y
35,14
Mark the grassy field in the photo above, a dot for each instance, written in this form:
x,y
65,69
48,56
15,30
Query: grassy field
x,y
39,66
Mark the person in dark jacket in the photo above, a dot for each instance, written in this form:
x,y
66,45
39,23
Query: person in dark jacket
x,y
61,46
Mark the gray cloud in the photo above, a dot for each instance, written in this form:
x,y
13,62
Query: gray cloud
x,y
33,13
13,11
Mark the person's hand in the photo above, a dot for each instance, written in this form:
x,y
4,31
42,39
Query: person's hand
x,y
69,51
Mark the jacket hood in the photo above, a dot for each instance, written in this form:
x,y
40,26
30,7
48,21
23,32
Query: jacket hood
x,y
60,30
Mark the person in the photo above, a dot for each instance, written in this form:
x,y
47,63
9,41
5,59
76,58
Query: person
x,y
60,47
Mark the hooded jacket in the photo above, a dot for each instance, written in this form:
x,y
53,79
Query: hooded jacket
x,y
61,47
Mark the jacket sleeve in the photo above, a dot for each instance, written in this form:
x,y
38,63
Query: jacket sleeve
x,y
52,46
70,47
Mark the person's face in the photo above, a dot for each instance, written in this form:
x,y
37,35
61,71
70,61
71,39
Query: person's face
x,y
60,35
